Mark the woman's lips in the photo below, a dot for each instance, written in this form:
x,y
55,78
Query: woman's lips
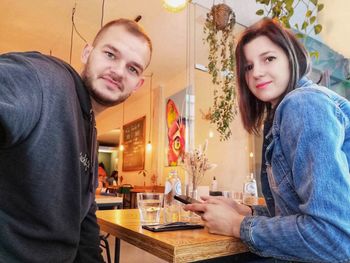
x,y
263,85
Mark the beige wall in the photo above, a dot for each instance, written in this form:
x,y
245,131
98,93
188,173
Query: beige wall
x,y
232,156
134,108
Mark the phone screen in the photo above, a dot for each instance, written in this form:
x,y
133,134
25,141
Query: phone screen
x,y
185,199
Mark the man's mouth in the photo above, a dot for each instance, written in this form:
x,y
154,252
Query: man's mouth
x,y
263,85
111,83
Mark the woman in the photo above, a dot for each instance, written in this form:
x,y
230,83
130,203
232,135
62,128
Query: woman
x,y
307,157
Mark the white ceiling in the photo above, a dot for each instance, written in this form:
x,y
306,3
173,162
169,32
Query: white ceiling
x,y
46,26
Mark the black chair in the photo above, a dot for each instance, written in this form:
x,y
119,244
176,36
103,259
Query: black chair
x,y
105,245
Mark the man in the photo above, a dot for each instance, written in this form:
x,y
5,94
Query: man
x,y
48,164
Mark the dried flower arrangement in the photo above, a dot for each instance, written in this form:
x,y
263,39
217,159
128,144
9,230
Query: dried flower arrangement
x,y
196,163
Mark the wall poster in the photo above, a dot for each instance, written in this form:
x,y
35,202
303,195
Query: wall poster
x,y
177,127
134,145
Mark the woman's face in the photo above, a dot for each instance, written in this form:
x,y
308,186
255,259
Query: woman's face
x,y
267,70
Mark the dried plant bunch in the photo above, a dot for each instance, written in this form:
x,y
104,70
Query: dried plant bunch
x,y
196,163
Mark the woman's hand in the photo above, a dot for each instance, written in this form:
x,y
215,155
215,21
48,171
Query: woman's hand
x,y
241,209
219,215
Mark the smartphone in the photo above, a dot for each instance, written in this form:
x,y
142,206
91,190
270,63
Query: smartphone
x,y
172,226
185,199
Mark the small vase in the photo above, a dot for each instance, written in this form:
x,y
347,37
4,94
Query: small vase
x,y
194,193
188,215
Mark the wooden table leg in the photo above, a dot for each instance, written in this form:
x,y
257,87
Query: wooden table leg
x,y
116,250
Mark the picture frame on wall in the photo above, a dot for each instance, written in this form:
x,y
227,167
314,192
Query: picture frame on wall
x,y
134,145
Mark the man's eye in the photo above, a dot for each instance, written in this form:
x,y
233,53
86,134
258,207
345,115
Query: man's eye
x,y
248,67
110,55
133,70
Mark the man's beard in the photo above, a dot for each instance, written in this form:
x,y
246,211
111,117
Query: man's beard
x,y
96,95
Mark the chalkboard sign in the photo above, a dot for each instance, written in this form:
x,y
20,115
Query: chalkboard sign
x,y
134,145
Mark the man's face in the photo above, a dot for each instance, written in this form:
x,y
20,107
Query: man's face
x,y
114,66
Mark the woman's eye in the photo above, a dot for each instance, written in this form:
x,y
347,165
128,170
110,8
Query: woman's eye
x,y
271,58
248,67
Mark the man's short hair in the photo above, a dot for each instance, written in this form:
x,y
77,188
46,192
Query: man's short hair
x,y
130,25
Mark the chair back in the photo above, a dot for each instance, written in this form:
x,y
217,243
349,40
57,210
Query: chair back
x,y
125,190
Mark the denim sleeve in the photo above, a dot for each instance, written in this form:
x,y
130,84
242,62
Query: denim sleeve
x,y
313,133
20,100
260,210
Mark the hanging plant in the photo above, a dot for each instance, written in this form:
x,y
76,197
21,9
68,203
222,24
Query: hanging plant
x,y
283,11
218,29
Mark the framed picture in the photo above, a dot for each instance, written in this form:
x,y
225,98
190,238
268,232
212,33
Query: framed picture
x,y
176,111
134,145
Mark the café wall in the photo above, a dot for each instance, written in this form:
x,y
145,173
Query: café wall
x,y
134,108
231,157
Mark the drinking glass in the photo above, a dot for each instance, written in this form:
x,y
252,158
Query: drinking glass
x,y
149,205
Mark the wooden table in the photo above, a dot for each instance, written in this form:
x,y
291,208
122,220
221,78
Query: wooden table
x,y
109,201
172,246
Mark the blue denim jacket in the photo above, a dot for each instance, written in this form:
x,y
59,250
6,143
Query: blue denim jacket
x,y
308,173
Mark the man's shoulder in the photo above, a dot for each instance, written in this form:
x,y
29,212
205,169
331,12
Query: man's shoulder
x,y
35,60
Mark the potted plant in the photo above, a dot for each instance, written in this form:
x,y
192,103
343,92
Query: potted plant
x,y
283,11
144,173
218,29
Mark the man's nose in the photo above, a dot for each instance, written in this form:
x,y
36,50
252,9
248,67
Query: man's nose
x,y
117,68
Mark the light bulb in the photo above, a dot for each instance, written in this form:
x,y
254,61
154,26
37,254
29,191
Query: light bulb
x,y
149,146
121,147
174,5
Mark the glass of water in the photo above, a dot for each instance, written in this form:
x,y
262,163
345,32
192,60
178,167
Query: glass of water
x,y
149,205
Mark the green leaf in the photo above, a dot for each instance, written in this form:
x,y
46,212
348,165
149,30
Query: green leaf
x,y
314,2
276,11
305,24
317,29
312,20
300,35
260,12
320,7
289,3
308,13
314,54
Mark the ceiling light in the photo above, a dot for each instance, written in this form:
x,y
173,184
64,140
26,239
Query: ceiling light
x,y
175,5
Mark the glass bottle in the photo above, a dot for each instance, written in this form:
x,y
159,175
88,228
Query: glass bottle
x,y
171,206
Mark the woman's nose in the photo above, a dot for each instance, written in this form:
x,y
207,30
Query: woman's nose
x,y
258,71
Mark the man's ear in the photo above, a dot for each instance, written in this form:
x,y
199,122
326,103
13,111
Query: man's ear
x,y
86,53
139,84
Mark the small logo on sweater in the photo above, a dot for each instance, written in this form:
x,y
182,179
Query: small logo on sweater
x,y
85,161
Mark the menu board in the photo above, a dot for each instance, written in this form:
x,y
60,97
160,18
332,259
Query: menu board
x,y
134,145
